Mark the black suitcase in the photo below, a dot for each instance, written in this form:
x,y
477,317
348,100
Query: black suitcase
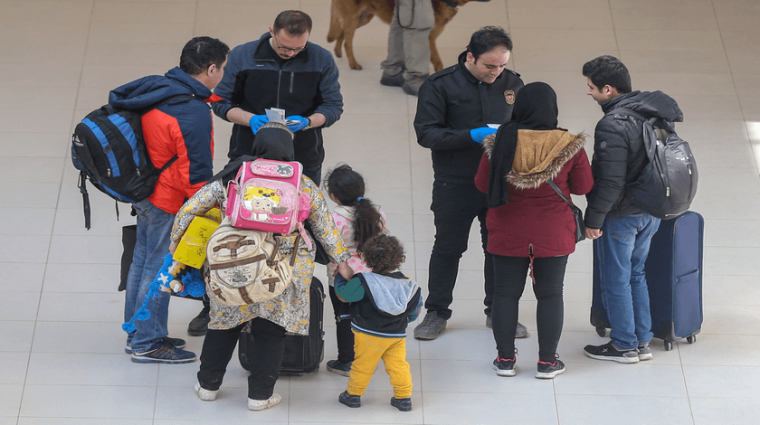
x,y
674,278
303,354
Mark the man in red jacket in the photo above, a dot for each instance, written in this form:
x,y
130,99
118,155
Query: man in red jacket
x,y
181,129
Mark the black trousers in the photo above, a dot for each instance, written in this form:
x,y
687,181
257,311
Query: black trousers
x,y
343,328
266,357
455,207
314,172
511,272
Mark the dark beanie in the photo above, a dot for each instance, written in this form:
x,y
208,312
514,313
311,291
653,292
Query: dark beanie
x,y
273,141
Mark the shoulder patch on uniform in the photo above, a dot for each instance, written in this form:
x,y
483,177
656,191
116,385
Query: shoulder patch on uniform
x,y
443,72
513,72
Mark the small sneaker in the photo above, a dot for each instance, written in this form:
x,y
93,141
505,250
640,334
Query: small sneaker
x,y
349,400
505,367
412,86
608,351
402,404
204,394
165,353
392,80
258,405
548,370
431,327
336,366
522,331
199,325
645,353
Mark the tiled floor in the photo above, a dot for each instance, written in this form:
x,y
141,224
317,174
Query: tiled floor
x,y
61,347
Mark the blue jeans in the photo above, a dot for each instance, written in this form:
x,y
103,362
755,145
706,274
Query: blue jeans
x,y
622,252
153,230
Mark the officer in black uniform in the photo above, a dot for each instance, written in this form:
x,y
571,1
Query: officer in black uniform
x,y
454,110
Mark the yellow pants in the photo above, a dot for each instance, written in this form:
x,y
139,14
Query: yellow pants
x,y
368,352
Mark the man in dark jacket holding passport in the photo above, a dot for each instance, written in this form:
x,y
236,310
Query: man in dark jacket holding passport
x,y
284,70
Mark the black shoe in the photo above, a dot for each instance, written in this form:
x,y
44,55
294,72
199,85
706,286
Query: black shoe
x,y
413,86
645,353
168,341
521,331
349,400
609,352
199,325
548,370
402,404
336,366
431,327
164,353
392,81
505,367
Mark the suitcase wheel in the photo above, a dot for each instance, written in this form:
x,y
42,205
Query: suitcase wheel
x,y
601,332
668,345
691,339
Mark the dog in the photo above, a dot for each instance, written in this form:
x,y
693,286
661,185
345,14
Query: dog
x,y
346,16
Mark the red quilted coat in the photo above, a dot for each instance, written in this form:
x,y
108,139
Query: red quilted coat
x,y
182,127
536,219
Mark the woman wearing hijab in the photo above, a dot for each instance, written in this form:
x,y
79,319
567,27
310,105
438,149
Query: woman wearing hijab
x,y
288,312
530,228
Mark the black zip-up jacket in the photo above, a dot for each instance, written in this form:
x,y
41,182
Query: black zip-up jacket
x,y
619,154
303,85
382,304
451,103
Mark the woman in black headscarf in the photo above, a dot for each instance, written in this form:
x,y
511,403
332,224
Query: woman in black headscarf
x,y
530,227
268,322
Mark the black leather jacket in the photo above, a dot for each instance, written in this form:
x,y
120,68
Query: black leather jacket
x,y
451,103
619,154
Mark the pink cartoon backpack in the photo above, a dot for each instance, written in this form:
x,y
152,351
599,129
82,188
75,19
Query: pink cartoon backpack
x,y
266,195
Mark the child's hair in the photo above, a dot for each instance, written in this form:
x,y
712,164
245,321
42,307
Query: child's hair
x,y
383,253
347,186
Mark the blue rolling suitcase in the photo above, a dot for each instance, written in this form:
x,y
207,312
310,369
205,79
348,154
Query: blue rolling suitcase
x,y
674,278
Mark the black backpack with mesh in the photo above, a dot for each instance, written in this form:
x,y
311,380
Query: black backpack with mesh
x,y
668,183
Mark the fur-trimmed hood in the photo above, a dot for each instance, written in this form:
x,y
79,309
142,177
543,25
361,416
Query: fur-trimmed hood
x,y
539,156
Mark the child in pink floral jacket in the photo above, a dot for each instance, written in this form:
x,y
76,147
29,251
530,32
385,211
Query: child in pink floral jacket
x,y
357,219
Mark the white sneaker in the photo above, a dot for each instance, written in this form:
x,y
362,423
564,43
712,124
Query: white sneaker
x,y
257,405
204,394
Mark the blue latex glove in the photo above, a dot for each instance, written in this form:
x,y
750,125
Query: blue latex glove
x,y
300,125
478,134
257,121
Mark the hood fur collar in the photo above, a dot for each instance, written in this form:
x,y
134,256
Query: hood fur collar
x,y
540,155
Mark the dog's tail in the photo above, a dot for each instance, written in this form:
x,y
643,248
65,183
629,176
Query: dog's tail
x,y
336,31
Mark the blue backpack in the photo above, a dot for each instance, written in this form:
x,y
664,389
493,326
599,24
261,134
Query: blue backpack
x,y
108,148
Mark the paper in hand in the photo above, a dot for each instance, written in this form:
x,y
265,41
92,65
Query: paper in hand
x,y
276,115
